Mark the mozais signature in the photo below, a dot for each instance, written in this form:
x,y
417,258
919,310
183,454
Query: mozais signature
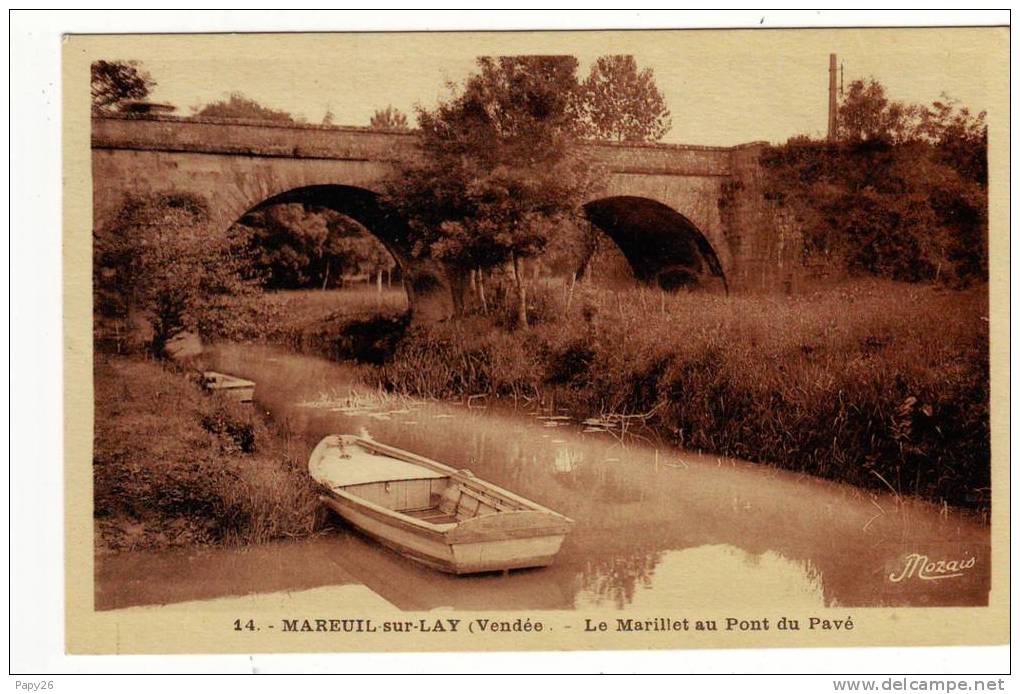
x,y
920,566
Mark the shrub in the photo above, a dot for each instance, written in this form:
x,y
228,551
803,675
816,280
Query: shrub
x,y
899,211
343,324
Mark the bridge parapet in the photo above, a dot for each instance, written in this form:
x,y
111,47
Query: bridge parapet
x,y
303,141
656,159
250,138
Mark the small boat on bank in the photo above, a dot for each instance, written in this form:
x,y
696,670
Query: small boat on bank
x,y
239,389
444,518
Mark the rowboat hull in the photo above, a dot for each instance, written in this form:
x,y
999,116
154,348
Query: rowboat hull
x,y
435,551
428,512
232,387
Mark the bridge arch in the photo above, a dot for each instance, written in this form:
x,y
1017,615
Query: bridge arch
x,y
360,204
661,245
422,282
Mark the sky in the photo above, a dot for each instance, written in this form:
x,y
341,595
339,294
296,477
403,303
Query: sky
x,y
722,87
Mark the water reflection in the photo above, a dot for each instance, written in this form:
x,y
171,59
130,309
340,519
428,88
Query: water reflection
x,y
709,576
653,526
615,580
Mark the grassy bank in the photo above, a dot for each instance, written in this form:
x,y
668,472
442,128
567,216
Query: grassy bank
x,y
879,384
355,323
173,466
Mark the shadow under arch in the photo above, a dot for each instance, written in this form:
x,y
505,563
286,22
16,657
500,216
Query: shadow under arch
x,y
360,204
421,281
661,245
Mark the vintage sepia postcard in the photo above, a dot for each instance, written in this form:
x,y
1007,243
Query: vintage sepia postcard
x,y
536,340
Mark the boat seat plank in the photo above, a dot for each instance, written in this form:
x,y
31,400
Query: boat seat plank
x,y
486,499
432,515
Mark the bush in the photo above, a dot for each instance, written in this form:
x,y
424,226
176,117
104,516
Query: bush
x,y
350,323
570,362
899,211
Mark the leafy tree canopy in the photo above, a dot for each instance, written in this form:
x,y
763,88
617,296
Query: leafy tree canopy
x,y
388,119
499,171
495,158
620,102
902,194
114,81
240,107
158,257
867,114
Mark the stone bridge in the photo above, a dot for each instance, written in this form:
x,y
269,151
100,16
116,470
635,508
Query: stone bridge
x,y
697,211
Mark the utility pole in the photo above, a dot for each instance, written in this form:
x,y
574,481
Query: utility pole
x,y
832,97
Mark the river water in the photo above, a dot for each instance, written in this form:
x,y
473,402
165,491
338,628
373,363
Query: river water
x,y
655,527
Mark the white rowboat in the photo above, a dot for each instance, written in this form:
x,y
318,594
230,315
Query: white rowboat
x,y
445,518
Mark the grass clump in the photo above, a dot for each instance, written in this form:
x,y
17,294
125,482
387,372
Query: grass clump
x,y
468,357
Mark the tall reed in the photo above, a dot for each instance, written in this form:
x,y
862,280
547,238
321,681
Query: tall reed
x,y
875,383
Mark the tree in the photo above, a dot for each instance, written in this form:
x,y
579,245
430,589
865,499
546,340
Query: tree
x,y
960,137
116,81
350,248
238,106
388,119
620,102
866,113
286,241
296,247
158,256
499,172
